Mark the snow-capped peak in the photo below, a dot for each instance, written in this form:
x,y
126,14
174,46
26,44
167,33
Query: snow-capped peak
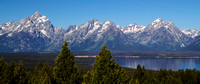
x,y
158,20
3,25
38,18
133,28
37,12
42,19
92,22
72,28
92,34
191,32
119,27
36,15
160,23
10,23
108,22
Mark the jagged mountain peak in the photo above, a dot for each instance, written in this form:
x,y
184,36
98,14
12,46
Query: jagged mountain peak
x,y
119,27
38,18
72,27
9,23
158,20
191,32
133,28
36,15
160,23
161,33
37,12
93,21
5,25
108,22
96,22
36,23
24,20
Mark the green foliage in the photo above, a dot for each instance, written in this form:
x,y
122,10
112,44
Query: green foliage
x,y
87,77
10,72
20,75
3,71
43,74
105,70
140,74
66,70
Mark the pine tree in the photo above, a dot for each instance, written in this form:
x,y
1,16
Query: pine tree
x,y
66,70
38,68
35,77
42,74
86,77
139,74
10,74
46,79
105,70
3,71
47,72
20,75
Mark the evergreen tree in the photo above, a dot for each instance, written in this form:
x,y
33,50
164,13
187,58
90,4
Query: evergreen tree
x,y
139,74
66,70
87,77
47,72
181,74
172,80
10,74
35,77
20,75
45,79
3,71
105,70
42,74
38,68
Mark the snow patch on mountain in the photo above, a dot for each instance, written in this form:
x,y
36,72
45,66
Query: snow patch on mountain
x,y
106,25
133,28
191,32
42,19
44,32
96,26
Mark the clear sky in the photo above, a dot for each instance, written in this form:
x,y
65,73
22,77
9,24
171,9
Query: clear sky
x,y
62,13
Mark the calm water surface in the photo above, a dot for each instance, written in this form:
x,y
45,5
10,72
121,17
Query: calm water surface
x,y
156,64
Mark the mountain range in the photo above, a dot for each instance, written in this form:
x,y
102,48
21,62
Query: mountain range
x,y
36,33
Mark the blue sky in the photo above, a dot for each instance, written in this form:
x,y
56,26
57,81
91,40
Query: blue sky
x,y
62,13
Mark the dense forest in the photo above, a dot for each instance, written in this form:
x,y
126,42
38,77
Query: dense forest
x,y
104,71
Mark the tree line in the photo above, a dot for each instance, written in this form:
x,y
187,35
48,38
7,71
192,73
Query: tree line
x,y
104,71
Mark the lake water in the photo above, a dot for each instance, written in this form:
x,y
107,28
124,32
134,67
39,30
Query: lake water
x,y
157,64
